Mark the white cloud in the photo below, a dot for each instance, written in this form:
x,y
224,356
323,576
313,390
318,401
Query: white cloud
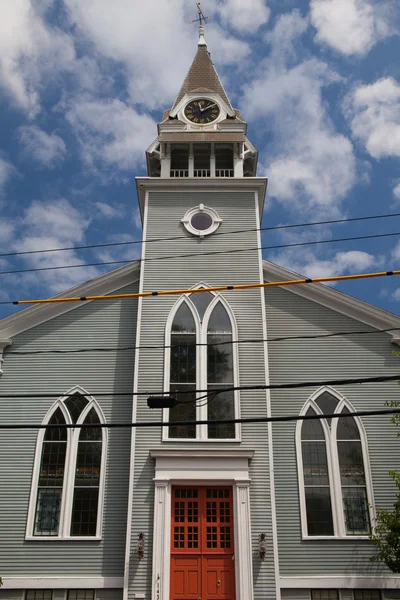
x,y
311,165
6,170
111,133
110,211
27,48
349,26
47,225
374,114
41,147
396,191
341,263
156,59
243,15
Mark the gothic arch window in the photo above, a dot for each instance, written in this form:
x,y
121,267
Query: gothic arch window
x,y
68,481
205,319
335,483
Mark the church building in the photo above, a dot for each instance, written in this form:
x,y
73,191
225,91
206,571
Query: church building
x,y
191,505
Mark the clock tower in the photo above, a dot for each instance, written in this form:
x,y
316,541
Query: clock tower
x,y
201,206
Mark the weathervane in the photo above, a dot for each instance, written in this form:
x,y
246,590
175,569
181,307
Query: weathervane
x,y
202,19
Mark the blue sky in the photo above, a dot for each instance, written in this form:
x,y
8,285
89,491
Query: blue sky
x,y
84,82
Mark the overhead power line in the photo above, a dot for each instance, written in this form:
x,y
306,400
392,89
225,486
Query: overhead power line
x,y
147,424
241,388
184,237
221,288
9,352
196,254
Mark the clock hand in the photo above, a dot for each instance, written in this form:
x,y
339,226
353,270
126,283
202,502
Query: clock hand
x,y
207,107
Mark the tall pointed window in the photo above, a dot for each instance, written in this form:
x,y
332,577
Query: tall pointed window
x,y
202,356
334,475
68,482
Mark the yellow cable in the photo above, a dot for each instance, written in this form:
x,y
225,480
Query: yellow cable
x,y
220,288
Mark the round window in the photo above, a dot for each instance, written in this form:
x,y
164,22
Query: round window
x,y
201,220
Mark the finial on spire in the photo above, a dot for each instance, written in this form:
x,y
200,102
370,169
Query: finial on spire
x,y
202,19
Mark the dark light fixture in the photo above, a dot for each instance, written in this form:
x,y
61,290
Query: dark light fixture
x,y
262,545
161,401
140,546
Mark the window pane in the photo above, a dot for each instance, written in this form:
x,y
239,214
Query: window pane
x,y
312,429
315,463
220,408
88,463
80,594
347,428
324,595
367,594
219,321
84,511
183,358
351,463
184,321
319,511
91,433
75,405
47,517
219,359
201,302
327,403
39,595
355,511
201,221
52,464
58,433
183,412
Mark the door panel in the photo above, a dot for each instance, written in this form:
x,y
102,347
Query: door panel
x,y
185,577
202,551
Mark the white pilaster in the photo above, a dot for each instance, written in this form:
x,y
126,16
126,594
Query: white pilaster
x,y
161,541
165,160
3,344
237,161
191,161
212,161
243,558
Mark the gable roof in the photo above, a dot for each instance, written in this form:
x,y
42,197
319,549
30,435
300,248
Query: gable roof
x,y
40,313
119,278
202,75
335,300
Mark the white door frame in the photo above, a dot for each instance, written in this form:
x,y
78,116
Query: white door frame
x,y
201,467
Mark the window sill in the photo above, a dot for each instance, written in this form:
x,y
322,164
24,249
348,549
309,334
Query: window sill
x,y
57,538
349,538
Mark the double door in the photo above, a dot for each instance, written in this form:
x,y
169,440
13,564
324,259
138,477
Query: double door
x,y
202,545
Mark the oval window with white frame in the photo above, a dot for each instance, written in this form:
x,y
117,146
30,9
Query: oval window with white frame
x,y
201,220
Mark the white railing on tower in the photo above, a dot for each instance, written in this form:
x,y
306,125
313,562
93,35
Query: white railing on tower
x,y
224,172
201,173
179,173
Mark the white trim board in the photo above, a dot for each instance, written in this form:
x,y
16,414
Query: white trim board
x,y
338,301
201,184
40,313
61,583
340,582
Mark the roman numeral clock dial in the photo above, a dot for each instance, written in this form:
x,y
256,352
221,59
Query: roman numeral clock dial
x,y
202,111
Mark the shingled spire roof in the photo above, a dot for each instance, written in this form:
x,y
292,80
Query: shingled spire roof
x,y
202,75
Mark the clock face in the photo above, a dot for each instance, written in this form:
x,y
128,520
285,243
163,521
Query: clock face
x,y
202,111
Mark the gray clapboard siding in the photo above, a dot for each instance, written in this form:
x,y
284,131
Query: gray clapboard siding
x,y
305,360
296,594
11,594
101,324
237,209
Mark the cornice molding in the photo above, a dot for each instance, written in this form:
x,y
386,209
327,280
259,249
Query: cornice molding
x,y
196,184
40,313
337,301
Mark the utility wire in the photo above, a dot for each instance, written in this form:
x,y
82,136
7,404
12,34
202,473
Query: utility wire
x,y
146,424
274,386
10,353
185,237
220,288
196,254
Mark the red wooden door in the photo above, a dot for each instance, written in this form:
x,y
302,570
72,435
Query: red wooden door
x,y
202,553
